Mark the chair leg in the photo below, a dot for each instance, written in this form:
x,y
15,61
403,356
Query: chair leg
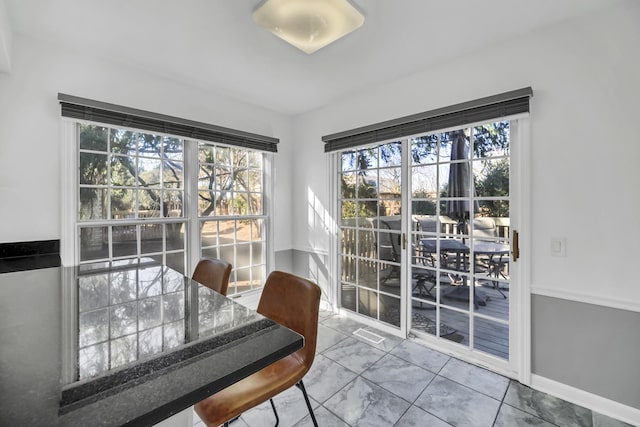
x,y
273,406
306,399
496,269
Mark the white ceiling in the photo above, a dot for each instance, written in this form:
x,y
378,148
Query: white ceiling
x,y
214,45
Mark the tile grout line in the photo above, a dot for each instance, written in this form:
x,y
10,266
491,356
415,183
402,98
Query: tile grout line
x,y
358,375
387,352
436,375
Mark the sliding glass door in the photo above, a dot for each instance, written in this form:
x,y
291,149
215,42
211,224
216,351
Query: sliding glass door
x,y
430,254
370,217
460,218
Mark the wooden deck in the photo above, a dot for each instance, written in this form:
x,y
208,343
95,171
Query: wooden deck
x,y
489,336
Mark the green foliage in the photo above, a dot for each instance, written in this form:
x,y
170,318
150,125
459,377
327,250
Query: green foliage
x,y
491,137
495,183
367,194
120,161
490,140
424,205
424,147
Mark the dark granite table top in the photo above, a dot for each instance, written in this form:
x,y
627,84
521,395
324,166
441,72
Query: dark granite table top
x,y
127,344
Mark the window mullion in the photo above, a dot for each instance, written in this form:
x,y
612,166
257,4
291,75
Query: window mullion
x,y
69,156
191,168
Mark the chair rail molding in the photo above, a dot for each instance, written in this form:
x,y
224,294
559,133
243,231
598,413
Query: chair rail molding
x,y
587,298
310,249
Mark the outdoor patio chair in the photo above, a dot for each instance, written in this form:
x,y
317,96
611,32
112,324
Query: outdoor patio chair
x,y
423,279
388,248
485,229
430,225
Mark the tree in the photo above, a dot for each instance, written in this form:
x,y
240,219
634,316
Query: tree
x,y
495,183
422,204
134,162
127,174
144,174
489,140
368,207
230,182
229,178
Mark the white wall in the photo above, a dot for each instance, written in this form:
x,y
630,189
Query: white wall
x,y
30,129
585,154
5,39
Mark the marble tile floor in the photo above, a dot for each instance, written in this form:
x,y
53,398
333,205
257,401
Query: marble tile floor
x,y
356,382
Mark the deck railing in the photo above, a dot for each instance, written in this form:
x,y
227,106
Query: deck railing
x,y
364,241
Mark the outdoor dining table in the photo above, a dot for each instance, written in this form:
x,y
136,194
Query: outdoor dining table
x,y
127,343
461,251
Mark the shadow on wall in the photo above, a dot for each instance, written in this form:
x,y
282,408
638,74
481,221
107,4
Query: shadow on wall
x,y
319,223
314,267
313,261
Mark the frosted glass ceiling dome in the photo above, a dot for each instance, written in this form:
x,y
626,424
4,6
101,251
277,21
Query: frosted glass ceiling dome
x,y
308,24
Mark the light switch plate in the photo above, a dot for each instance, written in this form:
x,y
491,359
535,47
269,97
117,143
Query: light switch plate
x,y
558,246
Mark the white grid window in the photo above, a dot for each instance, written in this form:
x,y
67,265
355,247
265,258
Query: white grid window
x,y
131,195
231,211
137,194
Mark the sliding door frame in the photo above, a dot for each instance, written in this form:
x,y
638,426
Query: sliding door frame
x,y
519,364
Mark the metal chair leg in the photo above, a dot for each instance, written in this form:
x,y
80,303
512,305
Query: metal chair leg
x,y
496,269
273,406
300,385
306,399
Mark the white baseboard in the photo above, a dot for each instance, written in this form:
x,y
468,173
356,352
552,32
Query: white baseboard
x,y
592,401
327,306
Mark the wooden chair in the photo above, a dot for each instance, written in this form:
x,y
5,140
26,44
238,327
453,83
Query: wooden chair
x,y
213,273
293,302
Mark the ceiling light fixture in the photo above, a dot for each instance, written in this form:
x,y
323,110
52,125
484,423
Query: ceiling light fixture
x,y
308,24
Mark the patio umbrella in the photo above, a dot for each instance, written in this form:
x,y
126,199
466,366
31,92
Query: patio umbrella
x,y
460,184
460,207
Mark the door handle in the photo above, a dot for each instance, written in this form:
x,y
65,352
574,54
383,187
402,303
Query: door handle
x,y
404,241
515,246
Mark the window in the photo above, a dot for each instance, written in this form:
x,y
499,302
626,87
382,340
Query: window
x,y
231,212
130,195
370,199
143,185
